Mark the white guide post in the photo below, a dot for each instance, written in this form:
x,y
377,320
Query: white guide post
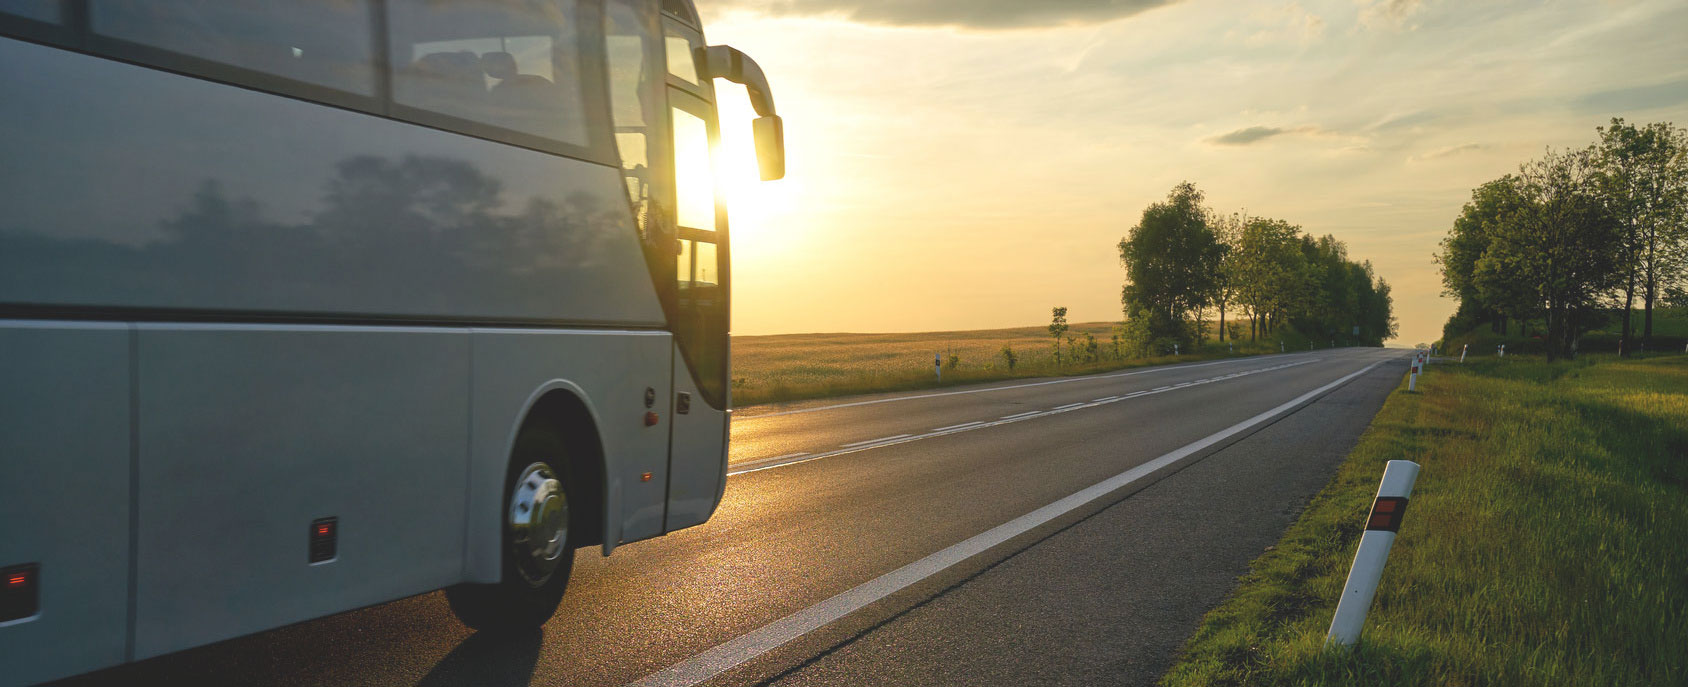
x,y
1412,379
938,365
1381,526
1462,352
1175,349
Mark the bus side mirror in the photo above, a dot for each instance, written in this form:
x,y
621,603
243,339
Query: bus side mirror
x,y
770,146
725,62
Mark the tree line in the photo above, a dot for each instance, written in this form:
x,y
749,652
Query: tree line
x,y
1185,263
1573,235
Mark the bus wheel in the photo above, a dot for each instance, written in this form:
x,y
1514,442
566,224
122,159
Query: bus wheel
x,y
537,554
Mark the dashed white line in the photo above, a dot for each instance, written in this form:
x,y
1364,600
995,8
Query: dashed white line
x,y
1063,380
1103,399
875,441
761,464
964,424
1070,405
1161,388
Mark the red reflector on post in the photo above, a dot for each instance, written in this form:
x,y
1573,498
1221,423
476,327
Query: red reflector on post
x,y
1386,514
17,580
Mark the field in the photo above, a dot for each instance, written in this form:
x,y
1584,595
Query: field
x,y
1542,544
797,366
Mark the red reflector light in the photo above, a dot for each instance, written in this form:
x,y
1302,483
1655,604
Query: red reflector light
x,y
1386,514
17,580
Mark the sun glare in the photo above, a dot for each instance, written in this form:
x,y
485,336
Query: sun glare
x,y
751,203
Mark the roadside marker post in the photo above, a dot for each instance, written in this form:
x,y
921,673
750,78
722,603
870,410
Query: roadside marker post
x,y
1381,526
1412,379
938,365
1175,349
1462,352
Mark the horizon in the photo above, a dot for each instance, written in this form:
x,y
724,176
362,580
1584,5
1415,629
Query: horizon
x,y
919,198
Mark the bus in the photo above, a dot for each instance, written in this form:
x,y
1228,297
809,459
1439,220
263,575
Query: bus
x,y
311,305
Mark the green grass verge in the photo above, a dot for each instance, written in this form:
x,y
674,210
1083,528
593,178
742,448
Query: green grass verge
x,y
1544,544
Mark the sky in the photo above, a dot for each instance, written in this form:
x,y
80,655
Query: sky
x,y
968,164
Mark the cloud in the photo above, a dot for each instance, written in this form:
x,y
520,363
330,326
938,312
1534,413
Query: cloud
x,y
1253,134
1638,98
1389,14
1449,151
977,14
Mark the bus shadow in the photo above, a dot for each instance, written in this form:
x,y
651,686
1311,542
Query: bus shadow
x,y
491,659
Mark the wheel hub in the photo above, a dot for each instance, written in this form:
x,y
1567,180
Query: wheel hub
x,y
539,523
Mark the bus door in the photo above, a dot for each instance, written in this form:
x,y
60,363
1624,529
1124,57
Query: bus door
x,y
697,455
665,129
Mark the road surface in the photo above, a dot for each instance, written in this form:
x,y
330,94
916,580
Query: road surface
x,y
1061,531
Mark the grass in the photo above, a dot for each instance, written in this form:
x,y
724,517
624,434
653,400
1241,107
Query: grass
x,y
792,367
1543,544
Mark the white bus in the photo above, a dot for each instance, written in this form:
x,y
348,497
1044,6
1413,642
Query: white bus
x,y
309,305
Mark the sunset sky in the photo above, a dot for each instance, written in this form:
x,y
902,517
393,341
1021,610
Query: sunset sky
x,y
967,164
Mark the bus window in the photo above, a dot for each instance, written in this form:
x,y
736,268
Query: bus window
x,y
707,272
694,174
39,10
700,323
322,42
681,61
514,66
635,106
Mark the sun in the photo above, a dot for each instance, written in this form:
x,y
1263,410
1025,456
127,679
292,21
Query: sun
x,y
752,204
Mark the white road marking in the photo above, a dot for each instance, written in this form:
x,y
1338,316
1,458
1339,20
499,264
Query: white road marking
x,y
760,464
875,441
1161,388
964,424
1070,405
746,647
1104,398
1063,380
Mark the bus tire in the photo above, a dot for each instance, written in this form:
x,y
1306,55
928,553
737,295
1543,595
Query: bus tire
x,y
538,552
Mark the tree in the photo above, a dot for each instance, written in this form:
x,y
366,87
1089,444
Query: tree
x,y
1491,204
1228,230
1558,254
1171,260
1271,272
1058,328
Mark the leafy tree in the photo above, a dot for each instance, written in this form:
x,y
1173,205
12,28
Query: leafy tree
x,y
1558,254
1008,356
1171,260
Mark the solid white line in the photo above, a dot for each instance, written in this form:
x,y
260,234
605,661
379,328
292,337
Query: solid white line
x,y
875,441
1029,412
964,424
748,646
1063,380
788,455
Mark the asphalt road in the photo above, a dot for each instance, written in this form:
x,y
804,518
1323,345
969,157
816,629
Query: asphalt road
x,y
917,538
